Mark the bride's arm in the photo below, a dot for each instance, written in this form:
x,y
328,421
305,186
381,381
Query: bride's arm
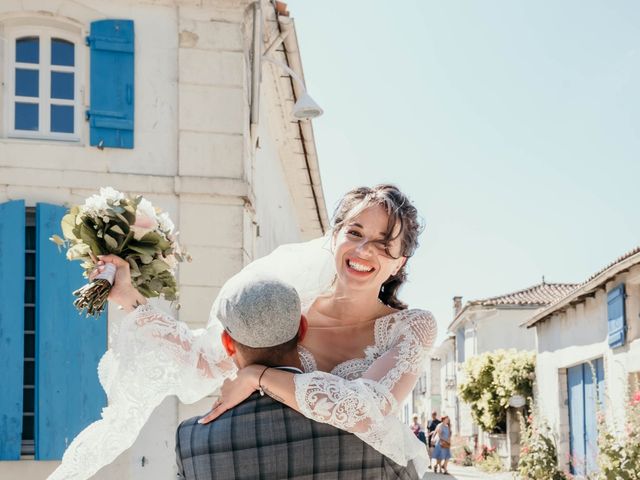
x,y
147,322
352,405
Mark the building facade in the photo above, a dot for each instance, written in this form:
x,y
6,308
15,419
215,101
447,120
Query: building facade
x,y
588,359
491,324
164,98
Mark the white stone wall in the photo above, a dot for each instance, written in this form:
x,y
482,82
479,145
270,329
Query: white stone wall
x,y
578,335
502,330
193,157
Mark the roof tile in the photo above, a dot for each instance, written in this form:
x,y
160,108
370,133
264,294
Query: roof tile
x,y
541,294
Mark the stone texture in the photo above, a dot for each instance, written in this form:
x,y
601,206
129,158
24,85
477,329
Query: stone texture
x,y
211,155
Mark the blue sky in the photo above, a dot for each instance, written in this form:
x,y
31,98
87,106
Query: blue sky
x,y
514,127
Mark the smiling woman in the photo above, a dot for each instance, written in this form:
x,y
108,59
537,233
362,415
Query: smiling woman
x,y
384,218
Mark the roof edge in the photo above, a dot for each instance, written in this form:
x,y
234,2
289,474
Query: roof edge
x,y
586,289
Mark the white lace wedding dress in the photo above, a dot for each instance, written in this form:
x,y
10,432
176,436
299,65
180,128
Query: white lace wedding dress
x,y
153,356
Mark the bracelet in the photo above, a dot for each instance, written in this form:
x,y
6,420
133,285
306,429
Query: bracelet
x,y
260,389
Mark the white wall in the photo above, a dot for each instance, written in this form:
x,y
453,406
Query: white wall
x,y
193,157
579,335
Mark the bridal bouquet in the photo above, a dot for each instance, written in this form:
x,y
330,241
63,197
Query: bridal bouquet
x,y
134,230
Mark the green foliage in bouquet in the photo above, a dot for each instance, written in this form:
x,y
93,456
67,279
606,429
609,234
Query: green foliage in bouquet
x,y
538,452
130,228
491,380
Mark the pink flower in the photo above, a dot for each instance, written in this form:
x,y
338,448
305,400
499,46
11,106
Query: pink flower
x,y
636,398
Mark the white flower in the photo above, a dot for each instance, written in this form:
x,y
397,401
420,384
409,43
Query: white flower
x,y
94,205
166,225
146,210
97,205
111,194
146,219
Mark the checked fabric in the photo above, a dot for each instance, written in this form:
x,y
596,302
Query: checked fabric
x,y
264,439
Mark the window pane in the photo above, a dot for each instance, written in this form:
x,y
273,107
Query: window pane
x,y
29,318
27,428
27,82
30,238
29,376
62,85
28,396
28,50
26,116
30,265
30,346
30,291
62,52
62,118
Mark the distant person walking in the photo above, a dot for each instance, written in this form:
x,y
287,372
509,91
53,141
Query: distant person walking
x,y
431,428
418,431
442,448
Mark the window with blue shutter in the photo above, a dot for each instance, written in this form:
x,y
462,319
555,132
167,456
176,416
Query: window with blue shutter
x,y
460,344
68,347
12,265
617,324
112,83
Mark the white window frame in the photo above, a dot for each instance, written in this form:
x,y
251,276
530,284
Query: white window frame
x,y
45,34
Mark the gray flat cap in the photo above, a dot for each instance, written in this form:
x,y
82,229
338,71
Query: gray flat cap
x,y
259,311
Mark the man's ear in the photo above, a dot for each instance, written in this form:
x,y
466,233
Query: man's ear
x,y
227,343
302,329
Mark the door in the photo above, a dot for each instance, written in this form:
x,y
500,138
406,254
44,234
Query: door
x,y
585,383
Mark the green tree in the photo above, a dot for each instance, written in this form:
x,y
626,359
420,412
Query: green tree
x,y
491,380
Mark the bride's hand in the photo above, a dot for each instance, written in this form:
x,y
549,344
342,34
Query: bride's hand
x,y
122,292
234,392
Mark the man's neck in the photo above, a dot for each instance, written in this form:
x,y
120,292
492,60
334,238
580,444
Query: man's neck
x,y
292,360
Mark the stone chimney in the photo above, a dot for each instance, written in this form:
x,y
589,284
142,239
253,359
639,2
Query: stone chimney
x,y
457,305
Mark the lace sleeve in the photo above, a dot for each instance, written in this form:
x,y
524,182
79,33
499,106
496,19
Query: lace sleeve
x,y
367,406
151,357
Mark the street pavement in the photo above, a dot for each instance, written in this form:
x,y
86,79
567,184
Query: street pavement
x,y
467,473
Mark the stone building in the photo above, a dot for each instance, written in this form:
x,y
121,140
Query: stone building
x,y
171,99
491,324
588,359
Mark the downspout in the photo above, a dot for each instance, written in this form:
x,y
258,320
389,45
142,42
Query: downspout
x,y
256,72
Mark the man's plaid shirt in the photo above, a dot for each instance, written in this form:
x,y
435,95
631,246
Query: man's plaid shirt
x,y
264,439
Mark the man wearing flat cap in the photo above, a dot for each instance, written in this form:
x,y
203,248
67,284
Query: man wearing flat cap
x,y
262,438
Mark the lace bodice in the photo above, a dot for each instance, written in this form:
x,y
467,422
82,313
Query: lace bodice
x,y
363,395
355,367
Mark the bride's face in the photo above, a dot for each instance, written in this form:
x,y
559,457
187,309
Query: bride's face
x,y
363,259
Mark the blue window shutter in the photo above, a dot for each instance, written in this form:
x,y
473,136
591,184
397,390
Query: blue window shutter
x,y
112,83
616,316
12,258
68,348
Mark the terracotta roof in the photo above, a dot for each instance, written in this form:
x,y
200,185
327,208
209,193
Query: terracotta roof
x,y
538,295
586,288
630,253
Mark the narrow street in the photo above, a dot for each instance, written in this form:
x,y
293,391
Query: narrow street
x,y
468,473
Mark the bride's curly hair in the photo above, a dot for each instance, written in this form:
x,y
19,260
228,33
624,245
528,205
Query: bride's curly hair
x,y
401,212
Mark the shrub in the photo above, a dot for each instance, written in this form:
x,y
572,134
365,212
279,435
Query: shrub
x,y
488,460
619,454
538,452
462,455
491,380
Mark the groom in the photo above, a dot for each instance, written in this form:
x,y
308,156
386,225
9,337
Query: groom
x,y
262,438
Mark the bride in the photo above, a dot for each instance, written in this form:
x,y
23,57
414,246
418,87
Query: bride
x,y
362,355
